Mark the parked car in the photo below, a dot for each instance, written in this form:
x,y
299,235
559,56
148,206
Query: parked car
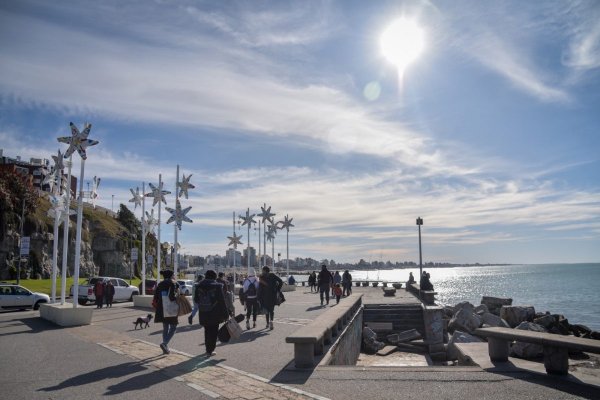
x,y
123,290
185,286
150,286
18,297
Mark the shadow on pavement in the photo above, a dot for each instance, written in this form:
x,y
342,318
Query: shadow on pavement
x,y
34,325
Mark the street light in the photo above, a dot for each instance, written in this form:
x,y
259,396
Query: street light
x,y
419,223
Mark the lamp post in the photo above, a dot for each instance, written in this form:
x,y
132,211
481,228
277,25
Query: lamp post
x,y
419,223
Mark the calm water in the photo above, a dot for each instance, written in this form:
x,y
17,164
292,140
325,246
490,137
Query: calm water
x,y
569,289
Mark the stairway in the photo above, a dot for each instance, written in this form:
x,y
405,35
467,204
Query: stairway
x,y
402,317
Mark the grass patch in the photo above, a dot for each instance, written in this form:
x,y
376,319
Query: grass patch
x,y
45,285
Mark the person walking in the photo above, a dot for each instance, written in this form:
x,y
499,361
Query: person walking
x,y
227,293
325,279
269,286
346,283
99,293
199,279
166,291
250,290
109,293
212,309
312,281
337,278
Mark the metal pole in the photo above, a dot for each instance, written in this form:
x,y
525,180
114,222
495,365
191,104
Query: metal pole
x,y
248,246
143,239
158,243
65,252
175,227
55,253
78,235
260,260
20,241
419,223
287,249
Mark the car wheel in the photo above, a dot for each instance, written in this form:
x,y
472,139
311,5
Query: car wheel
x,y
133,294
36,306
82,302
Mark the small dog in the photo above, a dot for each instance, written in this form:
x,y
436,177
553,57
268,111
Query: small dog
x,y
143,322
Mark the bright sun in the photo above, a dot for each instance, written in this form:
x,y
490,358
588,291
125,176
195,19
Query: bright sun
x,y
402,42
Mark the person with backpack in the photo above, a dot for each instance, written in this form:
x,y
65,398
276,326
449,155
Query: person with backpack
x,y
212,309
268,290
250,294
166,291
195,308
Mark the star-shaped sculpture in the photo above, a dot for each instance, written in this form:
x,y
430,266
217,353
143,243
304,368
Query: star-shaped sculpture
x,y
137,198
178,215
266,214
286,223
50,179
58,161
234,240
78,141
248,219
94,192
271,232
157,193
150,222
184,185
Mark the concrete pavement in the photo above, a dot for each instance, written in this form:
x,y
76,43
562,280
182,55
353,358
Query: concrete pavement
x,y
109,357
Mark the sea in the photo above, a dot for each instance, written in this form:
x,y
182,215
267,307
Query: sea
x,y
572,290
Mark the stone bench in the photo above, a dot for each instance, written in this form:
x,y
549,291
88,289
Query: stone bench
x,y
427,296
310,340
556,347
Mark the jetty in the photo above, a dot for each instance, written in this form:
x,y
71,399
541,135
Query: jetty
x,y
110,357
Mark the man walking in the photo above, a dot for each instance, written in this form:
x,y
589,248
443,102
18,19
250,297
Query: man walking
x,y
270,285
211,309
325,279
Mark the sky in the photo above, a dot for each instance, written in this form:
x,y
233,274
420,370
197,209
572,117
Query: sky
x,y
490,134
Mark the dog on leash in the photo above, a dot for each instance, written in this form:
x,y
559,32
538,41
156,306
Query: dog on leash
x,y
143,322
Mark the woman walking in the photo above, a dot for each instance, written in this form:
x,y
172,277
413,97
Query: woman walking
x,y
212,309
164,297
269,285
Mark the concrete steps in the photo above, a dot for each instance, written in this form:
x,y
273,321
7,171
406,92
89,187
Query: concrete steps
x,y
401,317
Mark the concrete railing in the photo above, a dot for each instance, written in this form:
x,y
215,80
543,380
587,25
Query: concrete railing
x,y
310,340
426,296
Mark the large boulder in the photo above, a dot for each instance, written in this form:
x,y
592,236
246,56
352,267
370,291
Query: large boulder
x,y
547,321
481,309
527,350
494,304
463,305
489,319
514,315
465,321
459,337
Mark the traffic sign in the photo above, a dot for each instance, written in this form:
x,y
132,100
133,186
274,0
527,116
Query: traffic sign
x,y
25,245
134,254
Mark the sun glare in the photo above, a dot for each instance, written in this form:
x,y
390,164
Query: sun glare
x,y
402,42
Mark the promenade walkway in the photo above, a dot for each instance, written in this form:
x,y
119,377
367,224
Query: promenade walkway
x,y
110,358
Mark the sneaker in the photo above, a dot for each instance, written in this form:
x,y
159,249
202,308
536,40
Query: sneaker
x,y
211,354
190,319
164,348
247,325
271,326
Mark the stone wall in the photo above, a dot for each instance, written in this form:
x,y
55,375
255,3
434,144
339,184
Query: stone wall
x,y
346,349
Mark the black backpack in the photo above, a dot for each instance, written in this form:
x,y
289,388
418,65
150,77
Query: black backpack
x,y
251,292
206,299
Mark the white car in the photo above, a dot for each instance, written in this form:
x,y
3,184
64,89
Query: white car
x,y
17,297
123,290
185,286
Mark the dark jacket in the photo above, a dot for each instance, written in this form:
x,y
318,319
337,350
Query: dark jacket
x,y
325,278
346,277
109,291
171,287
269,285
219,312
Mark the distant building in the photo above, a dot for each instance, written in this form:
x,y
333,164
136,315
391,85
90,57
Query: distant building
x,y
233,257
253,260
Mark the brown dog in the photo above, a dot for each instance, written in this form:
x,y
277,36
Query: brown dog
x,y
143,322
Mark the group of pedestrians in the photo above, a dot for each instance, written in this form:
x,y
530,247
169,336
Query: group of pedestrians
x,y
260,295
104,292
327,282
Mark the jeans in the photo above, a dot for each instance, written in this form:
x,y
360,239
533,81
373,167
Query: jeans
x,y
194,311
168,332
251,309
325,290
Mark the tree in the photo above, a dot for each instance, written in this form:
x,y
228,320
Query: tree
x,y
129,221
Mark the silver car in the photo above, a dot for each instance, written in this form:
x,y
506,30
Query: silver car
x,y
17,297
185,286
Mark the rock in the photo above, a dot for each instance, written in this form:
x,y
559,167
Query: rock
x,y
514,315
370,343
547,321
448,311
404,337
465,321
459,337
494,304
527,350
563,326
581,330
481,309
490,319
463,305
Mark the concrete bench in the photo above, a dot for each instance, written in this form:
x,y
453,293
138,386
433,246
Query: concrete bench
x,y
556,347
426,296
310,340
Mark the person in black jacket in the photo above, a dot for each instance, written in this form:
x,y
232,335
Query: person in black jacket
x,y
269,286
325,280
212,314
167,288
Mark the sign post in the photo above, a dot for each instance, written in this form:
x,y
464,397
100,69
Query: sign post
x,y
134,258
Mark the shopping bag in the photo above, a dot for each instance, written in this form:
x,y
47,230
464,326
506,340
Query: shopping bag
x,y
184,305
279,298
170,308
223,334
234,329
